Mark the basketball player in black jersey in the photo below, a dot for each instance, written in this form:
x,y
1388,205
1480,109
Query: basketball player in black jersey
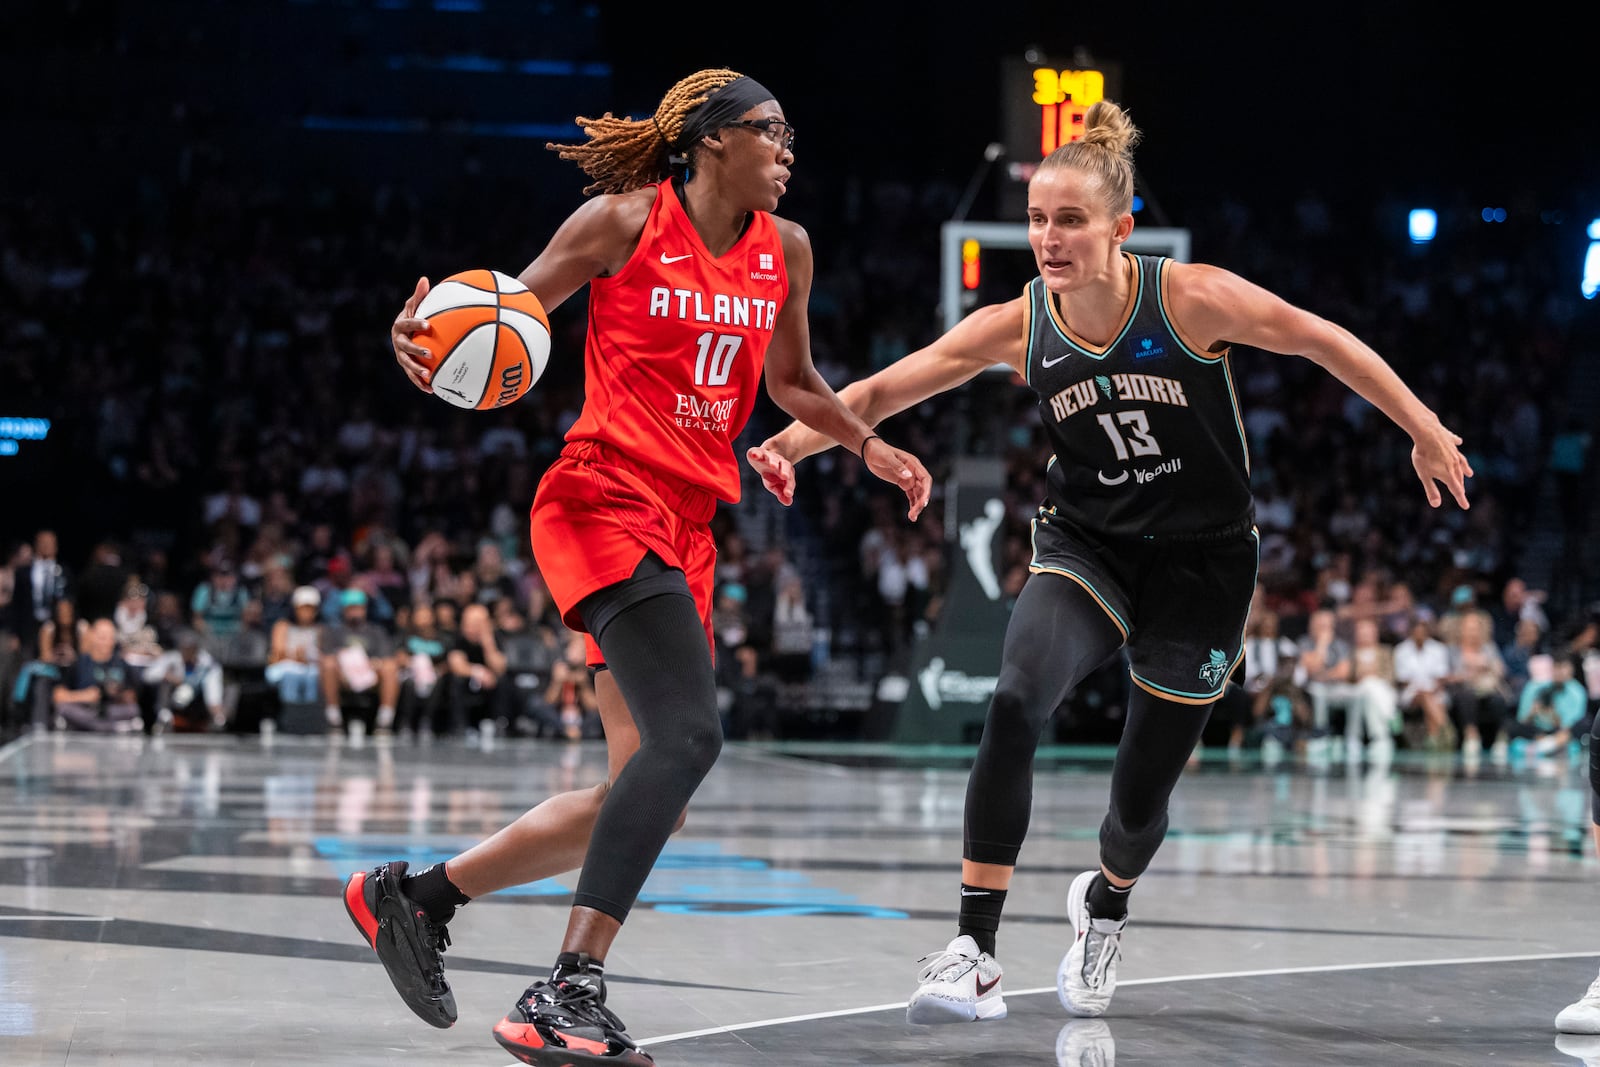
x,y
1145,539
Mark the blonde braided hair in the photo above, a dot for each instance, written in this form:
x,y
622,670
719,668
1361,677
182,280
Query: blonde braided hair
x,y
626,154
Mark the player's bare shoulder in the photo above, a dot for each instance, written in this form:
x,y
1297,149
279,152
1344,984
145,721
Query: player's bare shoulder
x,y
608,226
1203,301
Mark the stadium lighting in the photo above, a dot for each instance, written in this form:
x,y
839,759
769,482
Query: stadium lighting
x,y
1423,224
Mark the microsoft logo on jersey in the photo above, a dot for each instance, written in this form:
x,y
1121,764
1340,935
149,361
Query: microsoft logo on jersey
x,y
1146,348
763,267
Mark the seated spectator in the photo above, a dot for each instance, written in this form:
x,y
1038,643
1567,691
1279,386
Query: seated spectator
x,y
1528,642
136,633
277,595
570,695
1377,701
218,602
792,629
1324,669
1270,660
294,660
1421,665
424,662
167,618
189,681
97,691
530,653
1479,699
476,667
358,664
1550,709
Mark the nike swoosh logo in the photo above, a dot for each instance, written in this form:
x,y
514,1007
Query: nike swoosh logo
x,y
1047,363
984,987
980,893
673,259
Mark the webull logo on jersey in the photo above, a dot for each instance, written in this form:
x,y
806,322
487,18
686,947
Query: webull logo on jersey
x,y
956,687
1146,388
698,413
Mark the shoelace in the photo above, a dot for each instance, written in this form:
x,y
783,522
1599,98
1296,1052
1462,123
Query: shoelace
x,y
1100,950
946,966
581,1000
436,936
1594,990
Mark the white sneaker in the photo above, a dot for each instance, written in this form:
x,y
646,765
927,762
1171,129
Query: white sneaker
x,y
1582,1017
1499,750
1472,749
1088,973
958,985
1086,1043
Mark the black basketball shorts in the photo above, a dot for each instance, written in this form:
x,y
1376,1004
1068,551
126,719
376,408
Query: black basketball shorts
x,y
1180,602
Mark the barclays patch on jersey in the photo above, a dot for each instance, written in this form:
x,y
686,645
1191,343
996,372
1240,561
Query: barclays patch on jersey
x,y
1148,348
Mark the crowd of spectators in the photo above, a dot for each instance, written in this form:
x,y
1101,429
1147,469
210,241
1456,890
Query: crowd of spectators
x,y
270,518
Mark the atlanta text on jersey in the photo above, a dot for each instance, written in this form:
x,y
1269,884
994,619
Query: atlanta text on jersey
x,y
719,308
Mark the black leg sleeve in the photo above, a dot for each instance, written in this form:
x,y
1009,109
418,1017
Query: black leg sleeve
x,y
1057,635
656,650
1157,740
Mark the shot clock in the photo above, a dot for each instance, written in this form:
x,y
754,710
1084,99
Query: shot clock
x,y
1043,103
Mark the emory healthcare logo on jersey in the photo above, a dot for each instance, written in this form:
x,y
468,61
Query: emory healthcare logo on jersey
x,y
763,267
1213,671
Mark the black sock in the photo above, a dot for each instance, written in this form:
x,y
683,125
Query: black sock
x,y
980,914
570,963
1105,900
433,890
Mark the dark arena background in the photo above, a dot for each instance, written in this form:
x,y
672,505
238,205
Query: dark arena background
x,y
211,212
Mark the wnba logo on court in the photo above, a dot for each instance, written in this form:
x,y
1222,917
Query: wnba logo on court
x,y
763,267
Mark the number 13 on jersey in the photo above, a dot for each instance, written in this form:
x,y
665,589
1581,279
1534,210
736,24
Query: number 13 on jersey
x,y
714,361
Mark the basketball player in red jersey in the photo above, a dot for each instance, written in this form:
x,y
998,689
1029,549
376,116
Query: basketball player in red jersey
x,y
695,290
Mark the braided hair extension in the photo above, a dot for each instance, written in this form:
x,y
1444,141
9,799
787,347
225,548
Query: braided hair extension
x,y
626,154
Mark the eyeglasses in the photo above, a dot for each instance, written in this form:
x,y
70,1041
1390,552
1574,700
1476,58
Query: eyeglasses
x,y
777,131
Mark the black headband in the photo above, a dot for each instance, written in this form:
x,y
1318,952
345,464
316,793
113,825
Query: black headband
x,y
723,106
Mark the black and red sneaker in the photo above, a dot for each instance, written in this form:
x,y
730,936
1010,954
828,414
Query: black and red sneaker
x,y
406,940
565,1023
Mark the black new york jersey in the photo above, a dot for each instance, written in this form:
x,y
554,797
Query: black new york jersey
x,y
1146,431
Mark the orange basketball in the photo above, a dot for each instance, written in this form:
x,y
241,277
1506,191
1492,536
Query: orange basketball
x,y
488,339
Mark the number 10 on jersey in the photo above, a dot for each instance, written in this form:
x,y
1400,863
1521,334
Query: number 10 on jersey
x,y
715,359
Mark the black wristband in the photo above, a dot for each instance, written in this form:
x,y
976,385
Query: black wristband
x,y
864,440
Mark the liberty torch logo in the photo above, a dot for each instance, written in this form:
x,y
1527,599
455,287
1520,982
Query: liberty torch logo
x,y
1212,673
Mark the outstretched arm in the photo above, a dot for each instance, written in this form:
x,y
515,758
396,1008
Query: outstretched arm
x,y
1216,307
797,388
988,336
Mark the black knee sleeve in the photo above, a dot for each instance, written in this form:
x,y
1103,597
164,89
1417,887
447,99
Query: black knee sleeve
x,y
655,648
1057,635
1000,789
1158,737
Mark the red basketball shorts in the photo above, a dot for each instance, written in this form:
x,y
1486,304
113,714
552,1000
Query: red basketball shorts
x,y
595,515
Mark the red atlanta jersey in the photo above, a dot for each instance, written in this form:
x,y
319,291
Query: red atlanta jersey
x,y
677,339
